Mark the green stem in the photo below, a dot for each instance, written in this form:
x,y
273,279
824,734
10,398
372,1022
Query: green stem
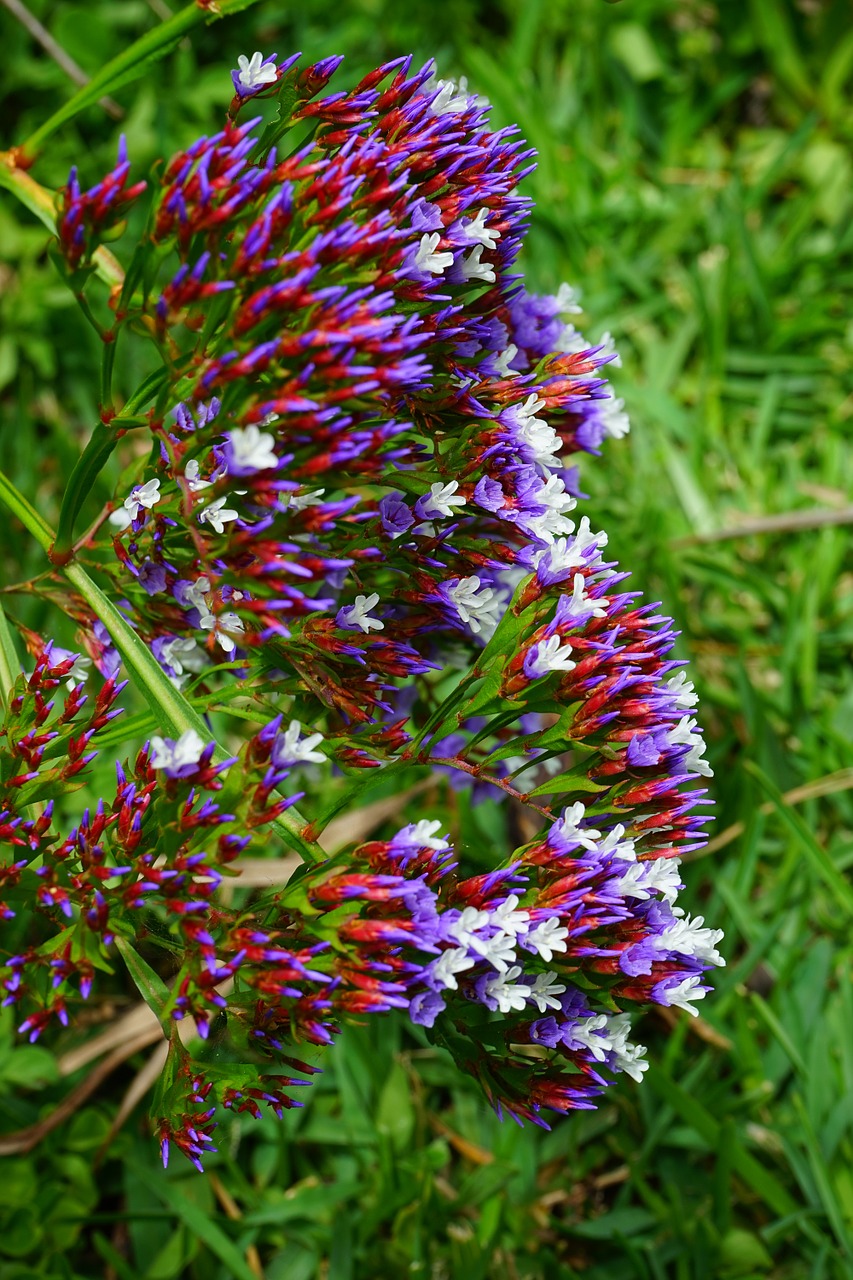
x,y
9,664
92,461
173,713
132,63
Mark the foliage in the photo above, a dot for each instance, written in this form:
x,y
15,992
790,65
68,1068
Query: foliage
x,y
692,179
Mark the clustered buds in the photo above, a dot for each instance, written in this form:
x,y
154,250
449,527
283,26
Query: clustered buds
x,y
359,483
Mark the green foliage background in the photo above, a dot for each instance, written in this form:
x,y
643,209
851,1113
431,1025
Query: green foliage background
x,y
695,180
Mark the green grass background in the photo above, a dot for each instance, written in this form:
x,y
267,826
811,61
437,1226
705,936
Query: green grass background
x,y
695,181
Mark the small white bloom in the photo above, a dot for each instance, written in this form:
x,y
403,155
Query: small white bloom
x,y
299,501
217,514
614,846
478,233
449,963
629,1057
357,615
579,605
290,748
682,692
452,97
545,990
250,449
613,418
441,500
474,606
220,625
465,928
508,995
642,879
191,476
550,655
473,269
186,750
182,655
195,596
509,918
571,340
685,734
254,71
689,989
591,1033
568,300
141,495
546,938
427,259
687,937
423,834
502,360
499,950
568,827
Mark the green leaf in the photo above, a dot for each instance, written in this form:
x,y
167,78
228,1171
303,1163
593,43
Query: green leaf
x,y
148,983
196,1221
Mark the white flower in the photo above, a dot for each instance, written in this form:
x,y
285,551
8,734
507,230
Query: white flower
x,y
182,655
474,606
290,748
473,269
613,845
615,422
545,990
508,995
568,827
499,950
685,734
449,963
426,258
141,495
687,937
299,501
689,989
571,340
255,71
195,595
440,500
470,920
682,692
191,476
629,1057
502,360
641,879
357,616
546,938
592,1033
568,301
549,655
552,522
451,97
174,755
478,233
509,918
422,834
220,625
217,514
579,605
250,449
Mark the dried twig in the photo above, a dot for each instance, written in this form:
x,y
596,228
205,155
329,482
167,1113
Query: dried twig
x,y
784,522
55,50
842,780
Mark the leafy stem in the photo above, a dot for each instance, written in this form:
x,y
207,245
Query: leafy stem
x,y
173,713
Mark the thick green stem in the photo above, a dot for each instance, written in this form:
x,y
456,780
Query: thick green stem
x,y
173,713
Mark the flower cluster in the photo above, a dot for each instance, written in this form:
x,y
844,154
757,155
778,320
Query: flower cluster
x,y
357,513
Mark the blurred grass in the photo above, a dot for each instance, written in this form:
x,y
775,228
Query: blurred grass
x,y
695,179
